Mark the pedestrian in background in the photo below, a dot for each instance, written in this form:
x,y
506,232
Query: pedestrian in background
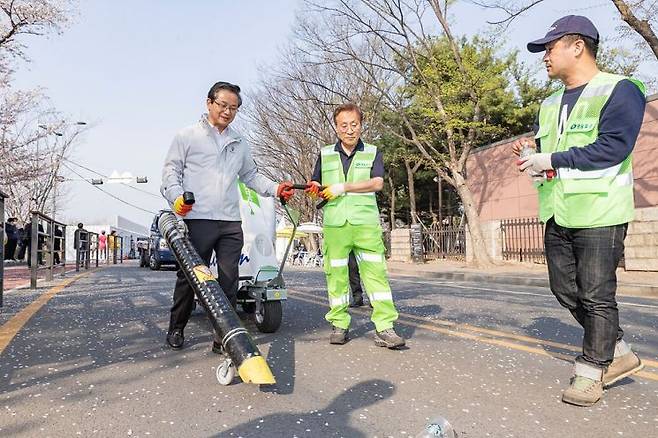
x,y
112,244
585,133
11,233
131,253
58,235
355,282
81,242
27,241
102,244
20,249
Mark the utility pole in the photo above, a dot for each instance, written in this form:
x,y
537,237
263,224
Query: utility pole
x,y
437,178
50,129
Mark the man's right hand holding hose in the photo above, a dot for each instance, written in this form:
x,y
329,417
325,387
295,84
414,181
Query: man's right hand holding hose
x,y
313,189
180,208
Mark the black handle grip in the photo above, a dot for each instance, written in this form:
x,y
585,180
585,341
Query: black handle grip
x,y
294,187
188,198
321,204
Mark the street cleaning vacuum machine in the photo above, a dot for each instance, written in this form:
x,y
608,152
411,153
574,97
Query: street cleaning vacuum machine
x,y
261,284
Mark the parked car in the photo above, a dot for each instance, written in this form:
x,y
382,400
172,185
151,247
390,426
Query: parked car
x,y
159,252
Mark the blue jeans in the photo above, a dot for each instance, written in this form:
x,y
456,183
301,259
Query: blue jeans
x,y
582,264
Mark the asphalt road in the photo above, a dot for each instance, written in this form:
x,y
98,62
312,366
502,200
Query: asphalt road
x,y
492,359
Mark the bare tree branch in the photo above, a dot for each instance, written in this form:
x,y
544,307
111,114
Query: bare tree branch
x,y
642,27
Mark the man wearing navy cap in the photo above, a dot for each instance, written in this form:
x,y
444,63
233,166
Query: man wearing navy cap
x,y
585,133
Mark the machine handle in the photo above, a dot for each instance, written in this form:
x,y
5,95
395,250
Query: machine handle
x,y
188,198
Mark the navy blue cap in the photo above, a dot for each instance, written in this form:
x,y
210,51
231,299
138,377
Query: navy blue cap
x,y
564,26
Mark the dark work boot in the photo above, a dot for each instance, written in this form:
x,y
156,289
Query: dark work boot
x,y
357,301
338,336
175,339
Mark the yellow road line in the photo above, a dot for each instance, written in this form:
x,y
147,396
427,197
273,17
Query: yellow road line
x,y
479,334
13,326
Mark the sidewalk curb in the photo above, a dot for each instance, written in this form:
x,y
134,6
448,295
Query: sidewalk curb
x,y
623,289
41,280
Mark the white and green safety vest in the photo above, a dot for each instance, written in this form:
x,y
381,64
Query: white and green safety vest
x,y
355,208
584,198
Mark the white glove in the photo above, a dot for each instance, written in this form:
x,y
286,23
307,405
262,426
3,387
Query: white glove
x,y
536,163
333,191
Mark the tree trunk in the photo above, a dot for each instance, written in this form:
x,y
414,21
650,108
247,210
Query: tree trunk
x,y
392,213
480,253
440,201
412,190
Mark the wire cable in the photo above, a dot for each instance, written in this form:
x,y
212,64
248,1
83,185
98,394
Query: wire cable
x,y
108,193
105,176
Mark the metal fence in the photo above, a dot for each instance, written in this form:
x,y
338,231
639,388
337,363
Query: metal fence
x,y
523,240
86,248
47,247
117,248
2,242
444,241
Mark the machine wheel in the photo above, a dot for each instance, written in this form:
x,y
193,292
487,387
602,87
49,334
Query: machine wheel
x,y
154,264
249,307
269,320
225,372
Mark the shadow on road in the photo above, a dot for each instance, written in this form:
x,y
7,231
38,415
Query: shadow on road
x,y
333,420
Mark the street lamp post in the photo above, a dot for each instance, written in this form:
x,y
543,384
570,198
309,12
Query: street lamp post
x,y
51,130
437,179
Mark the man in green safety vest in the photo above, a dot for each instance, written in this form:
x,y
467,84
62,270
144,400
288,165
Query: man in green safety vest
x,y
352,172
585,133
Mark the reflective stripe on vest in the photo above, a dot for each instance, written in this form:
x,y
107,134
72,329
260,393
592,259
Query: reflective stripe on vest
x,y
357,208
578,198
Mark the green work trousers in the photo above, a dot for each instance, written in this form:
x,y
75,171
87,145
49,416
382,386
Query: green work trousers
x,y
366,242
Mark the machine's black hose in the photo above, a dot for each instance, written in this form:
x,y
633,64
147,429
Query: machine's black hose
x,y
236,341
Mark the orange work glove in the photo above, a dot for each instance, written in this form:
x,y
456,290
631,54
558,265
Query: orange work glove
x,y
180,208
284,191
312,189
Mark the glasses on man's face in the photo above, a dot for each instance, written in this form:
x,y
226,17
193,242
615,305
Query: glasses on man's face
x,y
225,106
351,127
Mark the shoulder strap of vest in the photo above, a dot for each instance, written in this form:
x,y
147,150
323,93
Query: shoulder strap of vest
x,y
326,150
369,148
554,98
613,79
638,83
608,77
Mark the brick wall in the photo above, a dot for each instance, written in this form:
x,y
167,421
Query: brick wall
x,y
641,243
400,245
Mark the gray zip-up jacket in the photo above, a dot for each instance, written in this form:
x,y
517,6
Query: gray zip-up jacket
x,y
199,162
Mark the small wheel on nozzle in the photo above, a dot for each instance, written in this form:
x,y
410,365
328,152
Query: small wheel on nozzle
x,y
225,372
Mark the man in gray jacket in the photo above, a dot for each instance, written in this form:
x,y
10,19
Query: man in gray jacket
x,y
207,159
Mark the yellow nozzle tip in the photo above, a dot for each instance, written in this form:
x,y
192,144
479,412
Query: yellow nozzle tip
x,y
255,370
